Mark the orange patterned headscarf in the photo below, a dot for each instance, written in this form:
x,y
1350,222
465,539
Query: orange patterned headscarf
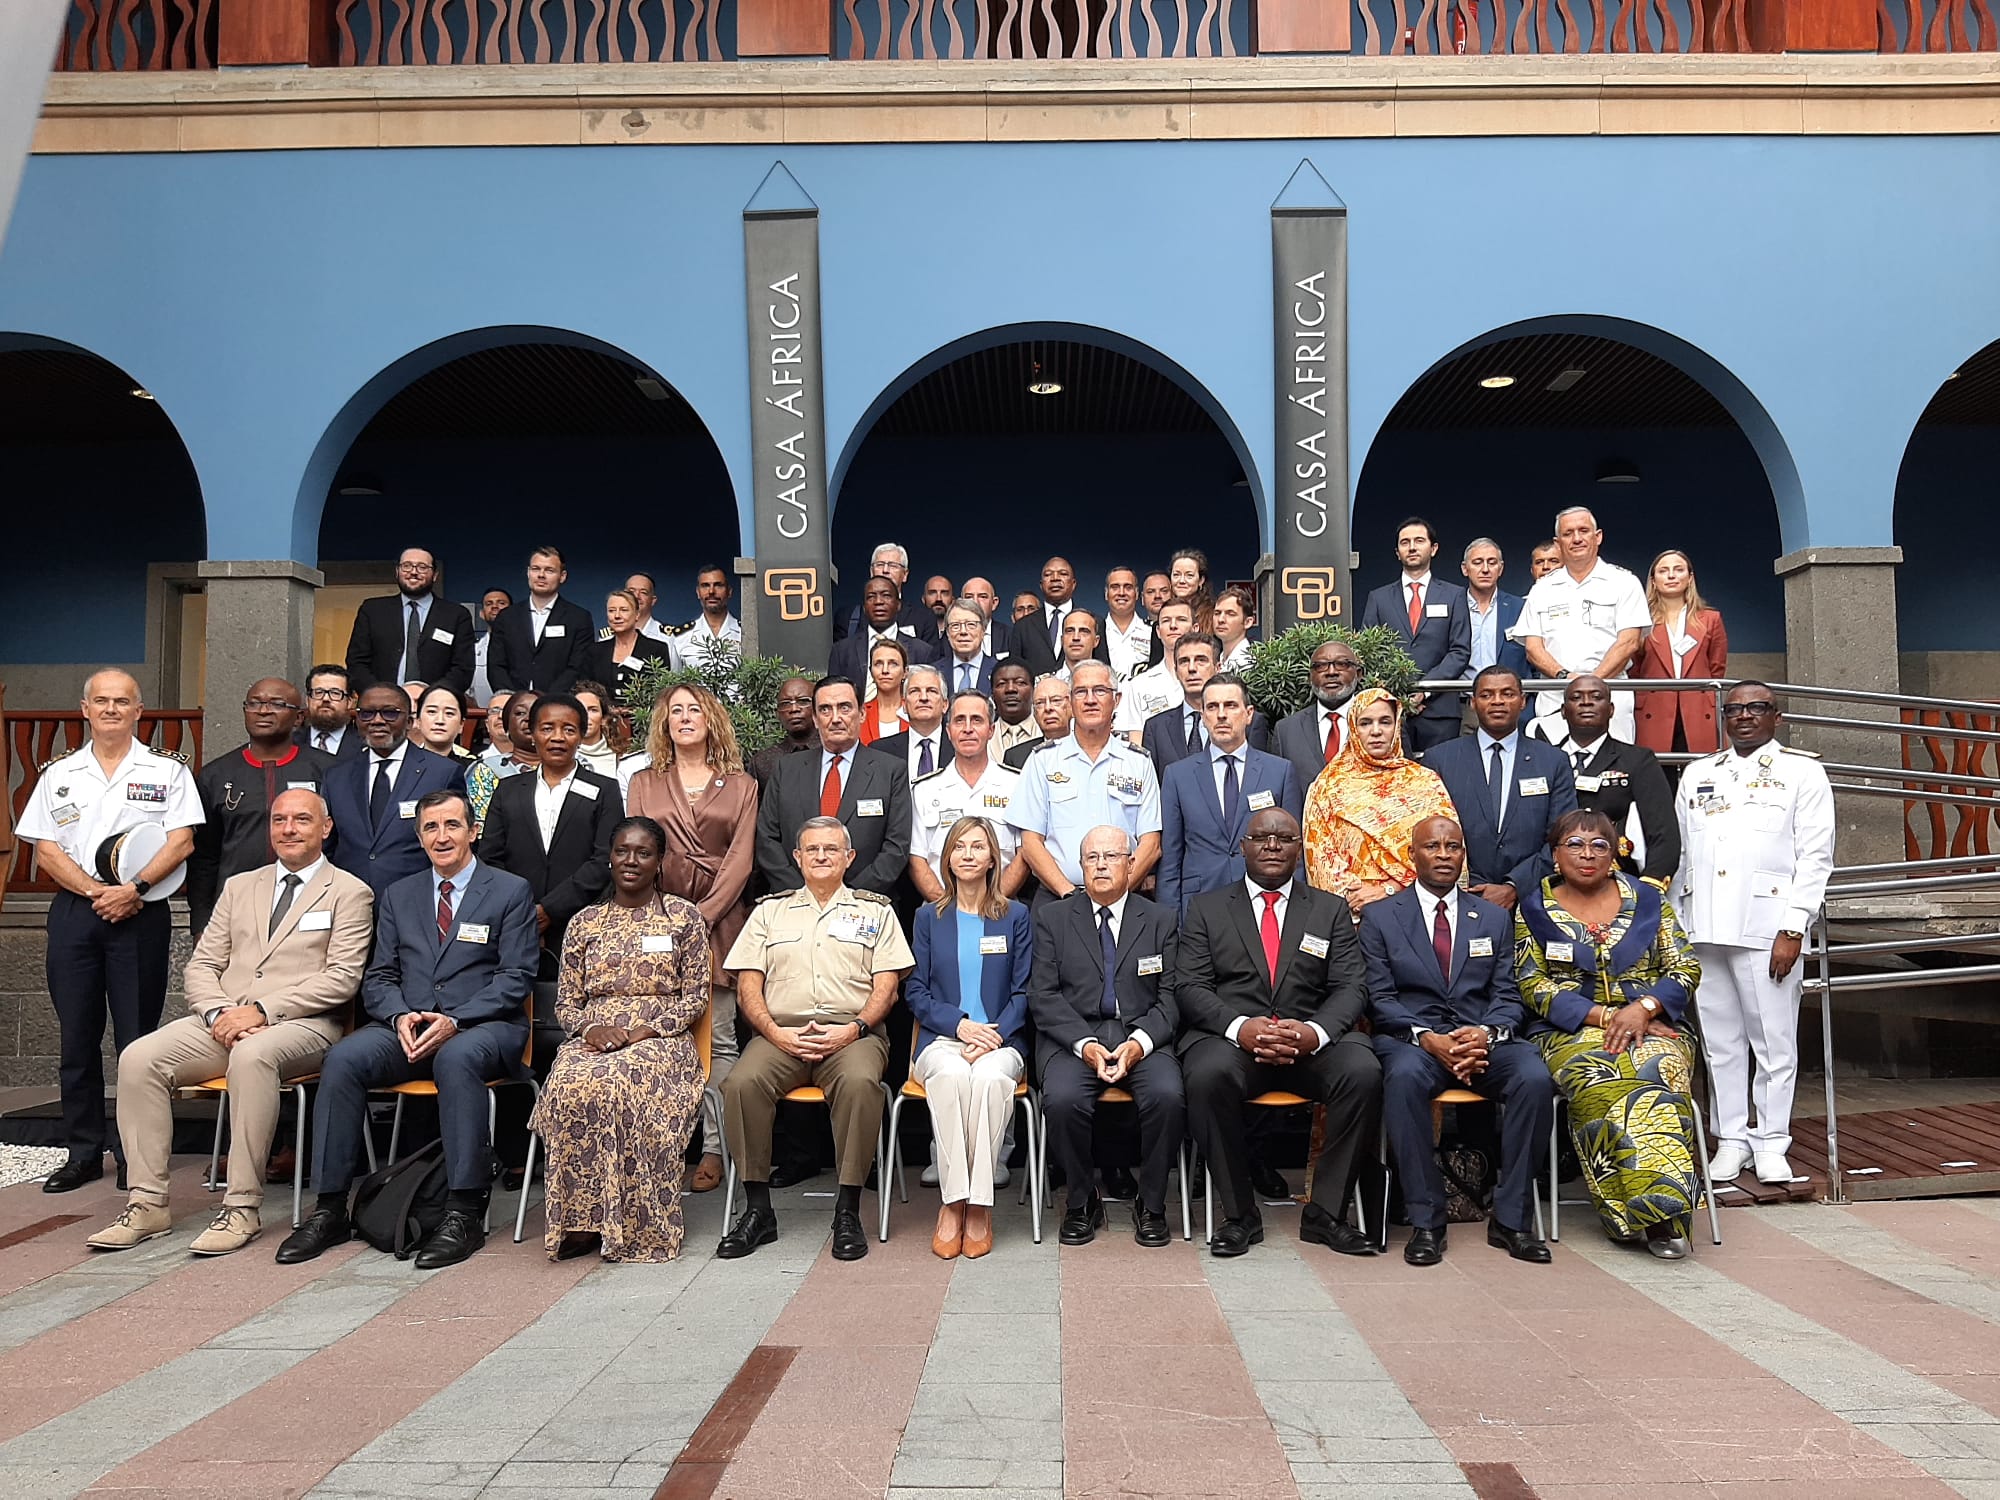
x,y
1361,811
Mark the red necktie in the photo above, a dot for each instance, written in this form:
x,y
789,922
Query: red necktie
x,y
1268,929
1441,941
1416,606
1332,734
829,795
444,911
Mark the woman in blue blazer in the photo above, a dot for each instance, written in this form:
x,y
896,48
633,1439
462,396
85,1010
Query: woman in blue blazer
x,y
969,993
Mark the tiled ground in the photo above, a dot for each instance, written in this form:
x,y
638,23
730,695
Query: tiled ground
x,y
1821,1353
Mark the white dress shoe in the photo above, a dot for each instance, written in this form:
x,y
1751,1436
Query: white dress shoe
x,y
1728,1163
1772,1167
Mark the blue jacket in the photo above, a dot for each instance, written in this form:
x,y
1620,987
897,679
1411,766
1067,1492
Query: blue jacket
x,y
932,989
1516,854
1197,853
382,856
1513,655
472,978
1405,989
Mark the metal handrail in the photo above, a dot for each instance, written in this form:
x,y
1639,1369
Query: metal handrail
x,y
1898,727
1907,794
1922,778
1921,883
1724,684
1917,945
1952,862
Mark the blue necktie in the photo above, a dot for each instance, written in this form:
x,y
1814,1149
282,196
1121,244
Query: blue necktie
x,y
1230,792
1495,786
925,764
1108,1007
965,677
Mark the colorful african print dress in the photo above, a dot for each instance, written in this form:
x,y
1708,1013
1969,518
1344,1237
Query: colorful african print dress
x,y
1360,814
1630,1114
616,1124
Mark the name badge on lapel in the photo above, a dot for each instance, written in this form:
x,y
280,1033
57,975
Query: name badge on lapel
x,y
406,809
302,786
1534,786
442,637
868,807
1316,946
1151,964
1479,948
656,942
1259,801
1562,953
554,632
316,921
1436,611
584,789
474,932
993,945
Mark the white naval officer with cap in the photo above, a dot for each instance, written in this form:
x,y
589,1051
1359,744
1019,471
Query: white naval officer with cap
x,y
113,824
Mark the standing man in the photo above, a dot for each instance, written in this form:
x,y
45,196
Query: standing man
x,y
795,717
1208,799
542,643
881,620
1128,639
923,749
997,638
816,969
1429,618
1543,559
1586,616
938,595
867,791
329,726
1081,641
445,996
1756,822
490,604
1156,591
1013,689
374,797
1038,637
1052,720
1101,992
1089,780
1624,782
1269,988
412,635
970,785
891,561
1174,733
108,925
645,589
1509,790
967,668
238,791
1313,736
268,990
716,636
1491,610
1158,688
1235,614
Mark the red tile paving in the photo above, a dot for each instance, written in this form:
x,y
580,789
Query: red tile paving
x,y
25,1204
1956,1231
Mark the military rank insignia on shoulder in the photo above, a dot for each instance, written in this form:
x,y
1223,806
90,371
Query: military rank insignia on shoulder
x,y
179,755
1795,750
875,896
774,896
604,634
929,776
65,755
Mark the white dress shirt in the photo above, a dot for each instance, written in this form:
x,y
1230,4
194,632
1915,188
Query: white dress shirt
x,y
1117,910
1510,753
1284,904
390,765
1428,902
935,739
538,616
306,877
549,803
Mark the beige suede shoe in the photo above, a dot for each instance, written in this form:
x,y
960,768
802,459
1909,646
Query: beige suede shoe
x,y
230,1229
140,1222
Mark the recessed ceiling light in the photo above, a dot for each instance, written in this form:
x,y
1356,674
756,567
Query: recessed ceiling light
x,y
1952,376
1497,382
1565,380
142,393
361,484
651,389
1617,471
1040,384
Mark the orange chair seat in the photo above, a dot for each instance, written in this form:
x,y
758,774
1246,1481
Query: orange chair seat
x,y
1460,1096
1279,1099
221,1085
914,1090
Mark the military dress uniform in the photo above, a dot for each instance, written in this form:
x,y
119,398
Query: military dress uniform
x,y
1578,622
940,799
819,964
1757,848
94,965
1152,691
1064,794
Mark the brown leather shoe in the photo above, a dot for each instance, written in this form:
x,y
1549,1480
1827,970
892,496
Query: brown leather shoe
x,y
981,1243
948,1239
707,1175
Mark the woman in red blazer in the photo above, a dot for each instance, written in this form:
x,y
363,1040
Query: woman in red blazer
x,y
1687,640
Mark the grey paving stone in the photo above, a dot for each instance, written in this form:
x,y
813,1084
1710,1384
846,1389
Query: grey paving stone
x,y
1366,1489
640,1476
903,1492
981,1437
968,1401
519,1474
1349,1409
1881,1254
407,1443
356,1480
1318,1345
976,1473
55,1300
313,1317
1303,1449
998,1348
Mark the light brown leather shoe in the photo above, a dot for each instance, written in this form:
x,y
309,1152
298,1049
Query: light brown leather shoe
x,y
231,1229
707,1175
947,1240
137,1224
978,1238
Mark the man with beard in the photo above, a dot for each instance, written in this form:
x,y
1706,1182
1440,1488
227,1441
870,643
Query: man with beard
x,y
1313,736
411,636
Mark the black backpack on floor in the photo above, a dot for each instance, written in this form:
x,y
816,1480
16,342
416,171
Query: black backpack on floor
x,y
401,1206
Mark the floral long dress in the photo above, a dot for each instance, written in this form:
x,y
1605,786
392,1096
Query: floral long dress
x,y
1631,1116
616,1124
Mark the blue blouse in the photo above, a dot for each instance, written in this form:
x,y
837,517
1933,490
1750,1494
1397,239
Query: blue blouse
x,y
970,962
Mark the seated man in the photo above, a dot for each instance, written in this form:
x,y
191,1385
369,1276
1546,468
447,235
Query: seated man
x,y
455,955
1442,998
1102,997
268,988
816,971
1276,1015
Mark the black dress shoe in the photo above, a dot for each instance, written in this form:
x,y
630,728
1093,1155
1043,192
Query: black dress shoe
x,y
1321,1228
791,1173
1149,1227
1522,1244
1119,1185
323,1229
850,1240
756,1226
1426,1247
1235,1237
1081,1221
74,1173
578,1242
1269,1182
458,1234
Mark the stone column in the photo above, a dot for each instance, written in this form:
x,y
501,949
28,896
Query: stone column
x,y
260,624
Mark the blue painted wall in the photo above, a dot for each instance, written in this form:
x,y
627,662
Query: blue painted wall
x,y
1948,525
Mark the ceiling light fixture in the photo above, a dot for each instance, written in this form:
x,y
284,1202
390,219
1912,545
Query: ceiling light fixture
x,y
1617,471
1497,382
652,389
1041,385
361,484
1566,379
1952,376
142,393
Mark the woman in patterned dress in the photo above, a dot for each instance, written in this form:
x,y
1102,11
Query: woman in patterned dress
x,y
621,1101
1607,971
1362,809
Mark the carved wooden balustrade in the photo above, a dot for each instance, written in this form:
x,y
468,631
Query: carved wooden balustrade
x,y
1937,26
1042,28
1437,28
375,33
130,36
1963,754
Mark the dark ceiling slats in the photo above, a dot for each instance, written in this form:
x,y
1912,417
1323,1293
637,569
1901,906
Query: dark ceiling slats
x,y
65,396
1972,400
1104,392
530,390
1621,387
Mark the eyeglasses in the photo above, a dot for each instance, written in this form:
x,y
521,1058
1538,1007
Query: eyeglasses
x,y
1752,710
1282,840
795,701
1092,692
380,713
1595,846
1103,859
329,695
271,703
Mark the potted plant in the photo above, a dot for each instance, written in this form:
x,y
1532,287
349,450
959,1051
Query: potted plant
x,y
747,685
1280,672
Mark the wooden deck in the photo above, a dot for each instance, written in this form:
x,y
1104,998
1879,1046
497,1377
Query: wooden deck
x,y
1940,1152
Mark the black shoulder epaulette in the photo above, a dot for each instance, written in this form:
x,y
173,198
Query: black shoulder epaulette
x,y
683,628
179,755
872,896
932,776
604,634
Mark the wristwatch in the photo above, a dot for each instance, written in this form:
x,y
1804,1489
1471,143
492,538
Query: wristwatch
x,y
1797,937
860,1026
142,886
1649,1005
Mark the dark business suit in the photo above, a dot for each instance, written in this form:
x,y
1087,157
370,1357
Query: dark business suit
x,y
881,839
1619,776
444,649
381,854
1199,851
1299,740
600,664
1065,998
1016,758
1441,647
982,673
1029,641
575,869
1407,989
914,613
1516,853
514,660
1164,736
897,748
849,657
351,743
1223,978
1512,654
479,980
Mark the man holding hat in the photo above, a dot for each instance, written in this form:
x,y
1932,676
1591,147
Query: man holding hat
x,y
113,824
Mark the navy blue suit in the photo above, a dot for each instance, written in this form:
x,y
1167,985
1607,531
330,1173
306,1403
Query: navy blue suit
x,y
982,673
1164,736
480,978
1441,647
1517,853
1198,852
932,991
1407,989
383,855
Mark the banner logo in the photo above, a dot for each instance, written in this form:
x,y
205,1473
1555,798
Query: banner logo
x,y
1315,592
797,592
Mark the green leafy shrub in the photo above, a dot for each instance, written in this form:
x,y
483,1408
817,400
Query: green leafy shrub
x,y
747,685
1280,673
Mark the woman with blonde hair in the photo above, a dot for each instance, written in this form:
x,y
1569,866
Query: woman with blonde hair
x,y
1363,807
695,788
621,651
969,993
1686,640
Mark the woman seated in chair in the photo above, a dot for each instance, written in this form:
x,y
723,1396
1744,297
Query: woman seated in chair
x,y
1607,973
969,993
621,1102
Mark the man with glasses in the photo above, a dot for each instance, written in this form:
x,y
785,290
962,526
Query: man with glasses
x,y
1313,736
412,636
238,790
1756,824
968,669
329,725
373,797
1049,705
914,620
795,717
867,791
1624,782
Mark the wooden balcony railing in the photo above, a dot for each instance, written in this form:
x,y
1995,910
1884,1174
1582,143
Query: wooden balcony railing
x,y
34,738
1965,746
1937,26
129,36
1043,28
377,33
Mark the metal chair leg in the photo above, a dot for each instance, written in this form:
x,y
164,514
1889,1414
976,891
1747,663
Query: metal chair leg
x,y
1701,1172
1555,1156
728,1191
527,1181
299,1156
902,1191
396,1129
1208,1208
882,1160
492,1133
1031,1190
1187,1211
215,1151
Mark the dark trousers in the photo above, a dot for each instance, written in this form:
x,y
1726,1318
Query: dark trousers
x,y
1515,1077
94,966
1069,1097
373,1058
1423,731
1344,1077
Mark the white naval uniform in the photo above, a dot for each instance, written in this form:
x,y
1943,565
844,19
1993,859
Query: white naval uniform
x,y
1578,621
698,646
76,806
1128,648
942,798
1149,692
1756,851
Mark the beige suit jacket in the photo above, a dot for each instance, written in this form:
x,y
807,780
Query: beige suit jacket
x,y
309,970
